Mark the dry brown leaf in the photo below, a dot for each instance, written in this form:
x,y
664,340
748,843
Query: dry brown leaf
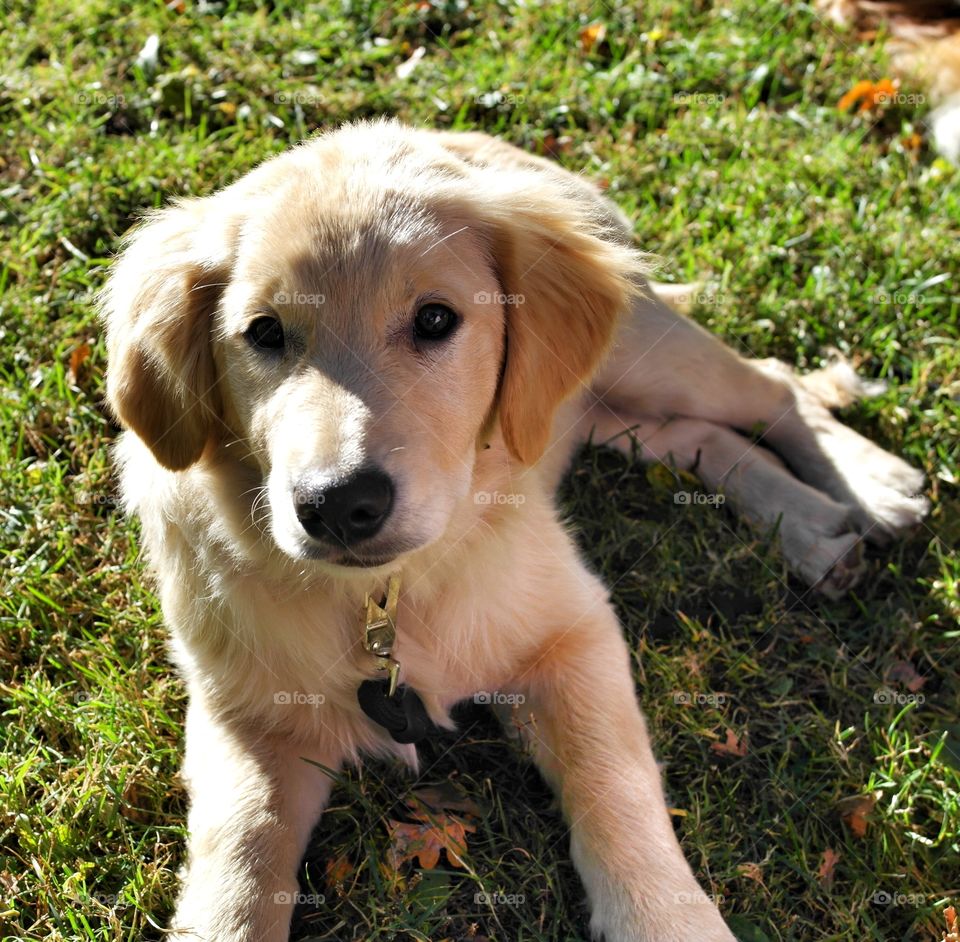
x,y
591,36
751,871
906,673
425,838
732,746
828,863
444,797
854,813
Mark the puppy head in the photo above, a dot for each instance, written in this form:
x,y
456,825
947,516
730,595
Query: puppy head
x,y
350,320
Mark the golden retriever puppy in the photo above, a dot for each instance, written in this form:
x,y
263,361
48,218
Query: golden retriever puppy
x,y
366,364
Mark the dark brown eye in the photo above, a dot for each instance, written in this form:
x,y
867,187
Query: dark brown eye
x,y
434,322
265,333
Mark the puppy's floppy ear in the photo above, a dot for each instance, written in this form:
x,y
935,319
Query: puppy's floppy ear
x,y
157,307
567,278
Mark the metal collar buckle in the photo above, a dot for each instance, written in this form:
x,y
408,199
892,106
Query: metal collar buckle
x,y
380,630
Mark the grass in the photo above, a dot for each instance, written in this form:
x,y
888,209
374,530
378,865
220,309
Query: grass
x,y
716,128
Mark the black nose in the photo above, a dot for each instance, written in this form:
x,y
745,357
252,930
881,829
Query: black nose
x,y
346,512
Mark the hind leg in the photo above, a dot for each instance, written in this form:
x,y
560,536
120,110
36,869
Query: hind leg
x,y
665,365
816,535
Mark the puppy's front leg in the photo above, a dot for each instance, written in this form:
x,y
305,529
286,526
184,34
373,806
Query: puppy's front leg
x,y
590,740
253,804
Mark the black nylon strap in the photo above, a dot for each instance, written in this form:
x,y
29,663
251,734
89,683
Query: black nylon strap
x,y
403,715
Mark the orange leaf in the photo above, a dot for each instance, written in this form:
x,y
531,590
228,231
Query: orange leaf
x,y
953,926
828,863
854,812
859,91
78,356
425,838
912,142
732,746
869,94
338,870
591,36
884,91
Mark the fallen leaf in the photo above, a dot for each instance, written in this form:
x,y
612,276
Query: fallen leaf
x,y
854,813
906,673
440,798
869,94
953,926
751,871
732,746
591,36
828,863
338,871
425,838
912,142
78,356
554,146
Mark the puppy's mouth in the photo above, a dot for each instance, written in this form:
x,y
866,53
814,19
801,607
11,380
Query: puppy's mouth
x,y
341,557
361,562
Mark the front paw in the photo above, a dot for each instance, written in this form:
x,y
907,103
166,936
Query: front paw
x,y
685,920
647,908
